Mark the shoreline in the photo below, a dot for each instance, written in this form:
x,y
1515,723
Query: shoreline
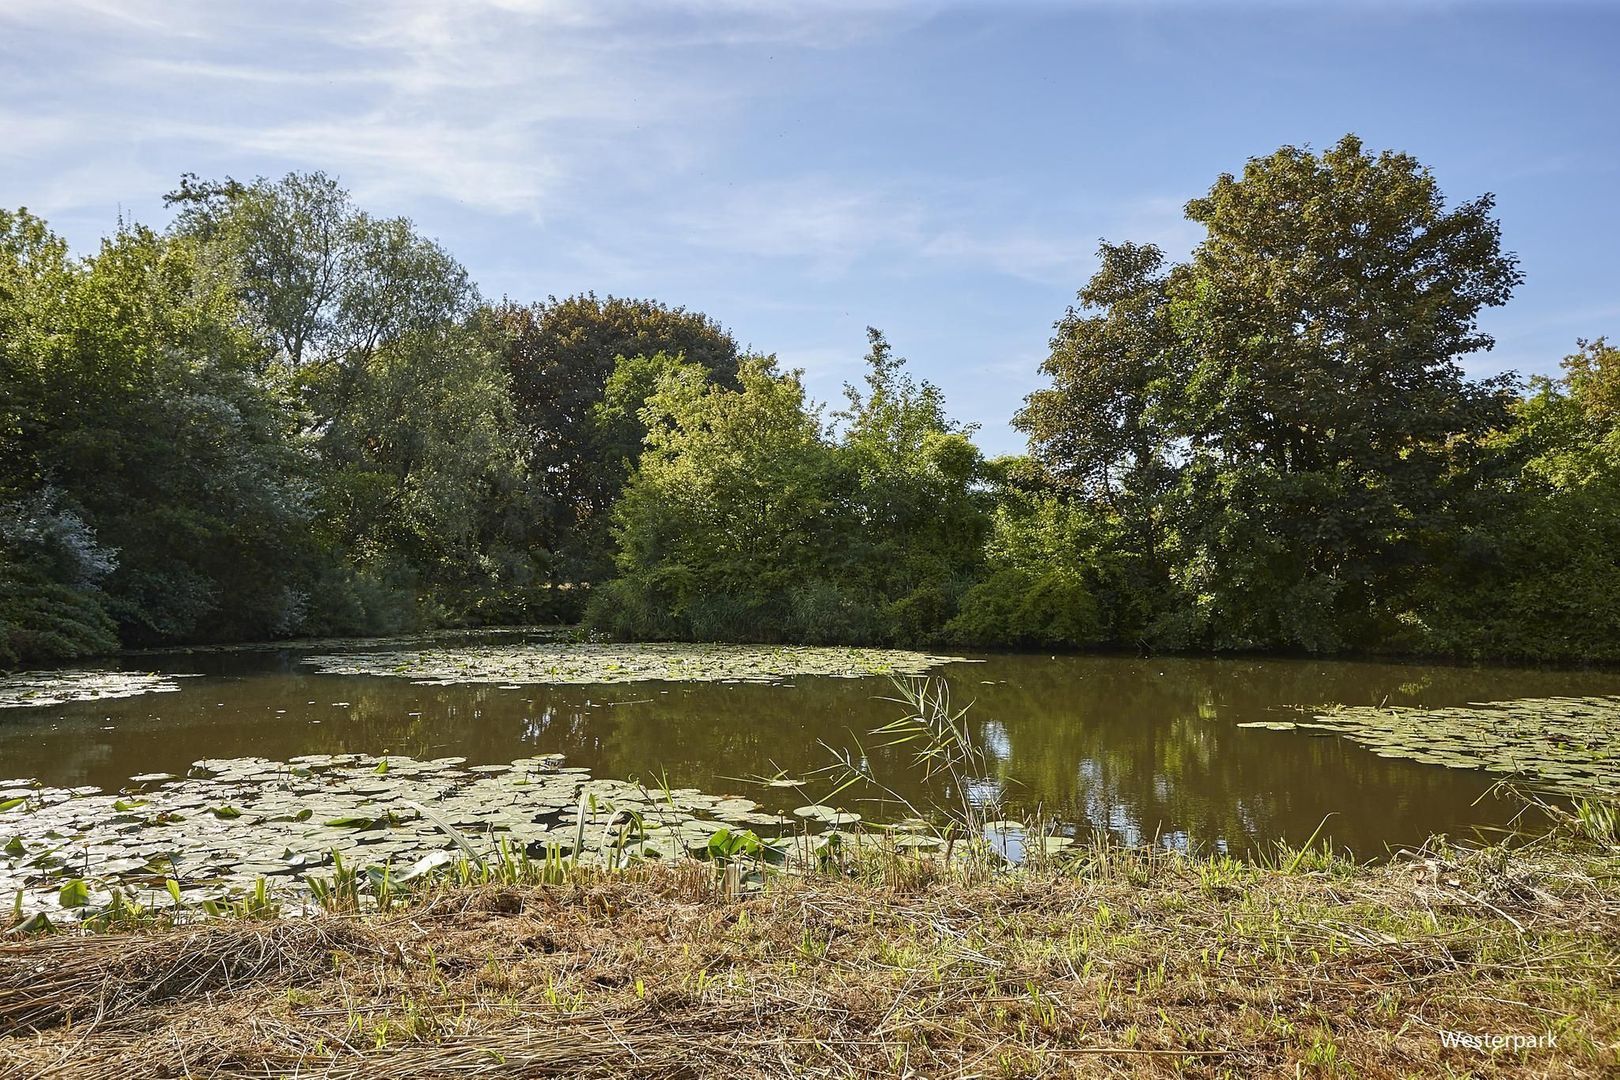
x,y
1110,961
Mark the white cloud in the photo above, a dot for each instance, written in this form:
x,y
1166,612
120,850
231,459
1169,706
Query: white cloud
x,y
501,104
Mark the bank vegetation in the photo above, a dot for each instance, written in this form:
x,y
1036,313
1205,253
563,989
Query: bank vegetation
x,y
1104,961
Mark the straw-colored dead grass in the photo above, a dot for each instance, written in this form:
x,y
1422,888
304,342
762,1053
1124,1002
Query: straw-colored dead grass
x,y
1123,965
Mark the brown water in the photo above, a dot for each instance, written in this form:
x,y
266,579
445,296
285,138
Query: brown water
x,y
1148,748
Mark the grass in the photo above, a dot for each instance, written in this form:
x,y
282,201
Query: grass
x,y
1106,962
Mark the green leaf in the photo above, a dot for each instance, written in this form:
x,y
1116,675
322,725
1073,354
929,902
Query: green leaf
x,y
174,889
11,804
124,806
351,821
37,923
74,894
227,811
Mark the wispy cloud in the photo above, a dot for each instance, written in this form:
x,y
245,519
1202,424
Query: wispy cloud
x,y
500,104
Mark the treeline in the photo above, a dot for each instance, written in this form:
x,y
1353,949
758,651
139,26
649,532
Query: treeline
x,y
285,416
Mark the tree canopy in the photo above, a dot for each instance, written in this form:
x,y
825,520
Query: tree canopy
x,y
285,414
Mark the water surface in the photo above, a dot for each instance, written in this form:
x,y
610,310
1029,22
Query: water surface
x,y
1149,748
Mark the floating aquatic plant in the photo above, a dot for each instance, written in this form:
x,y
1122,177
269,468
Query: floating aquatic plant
x,y
582,663
210,837
1565,744
34,689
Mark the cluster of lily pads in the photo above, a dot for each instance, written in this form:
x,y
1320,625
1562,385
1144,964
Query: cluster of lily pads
x,y
595,663
1565,744
33,689
221,831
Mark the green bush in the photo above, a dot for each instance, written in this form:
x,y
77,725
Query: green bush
x,y
1019,608
44,622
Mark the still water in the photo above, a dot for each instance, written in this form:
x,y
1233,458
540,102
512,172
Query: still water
x,y
1148,748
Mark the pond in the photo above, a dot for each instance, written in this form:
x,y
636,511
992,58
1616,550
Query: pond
x,y
1151,749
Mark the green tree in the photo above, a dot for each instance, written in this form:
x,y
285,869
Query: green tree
x,y
748,518
139,414
920,516
1533,570
577,456
1103,432
406,401
1282,423
1326,415
726,514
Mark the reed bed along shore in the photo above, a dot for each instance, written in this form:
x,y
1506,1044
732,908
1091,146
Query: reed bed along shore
x,y
1112,962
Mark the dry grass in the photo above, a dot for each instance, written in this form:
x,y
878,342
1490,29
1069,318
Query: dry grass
x,y
1117,964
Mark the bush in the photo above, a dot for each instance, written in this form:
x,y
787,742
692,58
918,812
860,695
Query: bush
x,y
1020,608
45,622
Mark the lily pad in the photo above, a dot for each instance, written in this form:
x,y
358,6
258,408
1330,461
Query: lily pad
x,y
1567,744
36,689
596,663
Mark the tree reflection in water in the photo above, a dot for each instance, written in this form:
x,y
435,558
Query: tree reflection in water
x,y
1146,748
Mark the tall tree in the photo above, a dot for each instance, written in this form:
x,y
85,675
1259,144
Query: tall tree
x,y
148,427
1283,419
406,398
920,520
726,513
1324,407
560,355
1101,429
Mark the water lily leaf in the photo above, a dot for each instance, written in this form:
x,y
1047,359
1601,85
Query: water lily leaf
x,y
74,894
11,804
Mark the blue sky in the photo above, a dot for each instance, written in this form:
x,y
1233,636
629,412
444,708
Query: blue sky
x,y
799,171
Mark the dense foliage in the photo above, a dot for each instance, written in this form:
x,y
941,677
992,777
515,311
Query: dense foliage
x,y
750,518
285,415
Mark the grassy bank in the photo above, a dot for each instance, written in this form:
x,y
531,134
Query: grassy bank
x,y
1113,963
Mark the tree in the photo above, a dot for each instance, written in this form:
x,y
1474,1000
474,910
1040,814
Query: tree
x,y
1281,423
747,518
413,460
1101,427
920,518
1592,373
1533,570
726,514
141,427
380,332
1325,412
322,282
559,355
